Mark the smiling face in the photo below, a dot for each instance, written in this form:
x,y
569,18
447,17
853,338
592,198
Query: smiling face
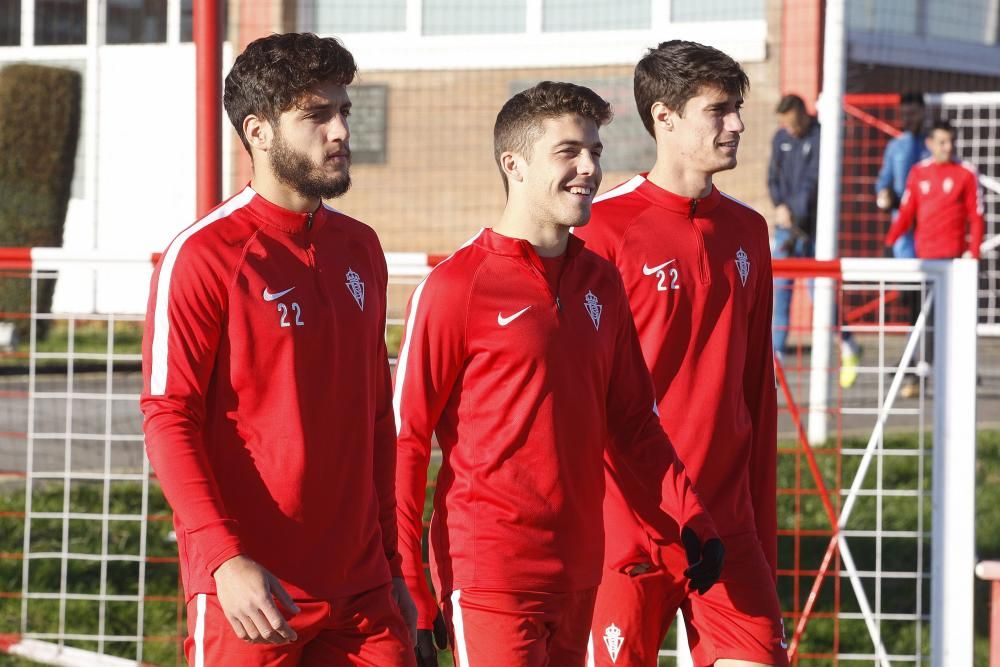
x,y
706,136
941,144
560,176
310,148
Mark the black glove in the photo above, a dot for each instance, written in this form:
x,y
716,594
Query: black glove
x,y
427,640
704,562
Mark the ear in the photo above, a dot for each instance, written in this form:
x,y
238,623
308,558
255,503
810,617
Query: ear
x,y
513,165
258,132
663,116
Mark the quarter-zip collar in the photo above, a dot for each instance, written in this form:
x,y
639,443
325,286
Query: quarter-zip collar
x,y
512,247
281,218
689,206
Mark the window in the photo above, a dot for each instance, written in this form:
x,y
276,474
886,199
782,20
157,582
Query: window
x,y
716,10
10,23
449,17
570,15
961,20
334,18
60,22
136,21
187,19
898,16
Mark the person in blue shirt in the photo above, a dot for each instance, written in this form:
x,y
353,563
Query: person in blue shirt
x,y
793,183
900,154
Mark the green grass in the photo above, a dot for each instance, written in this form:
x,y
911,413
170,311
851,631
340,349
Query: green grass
x,y
88,337
86,536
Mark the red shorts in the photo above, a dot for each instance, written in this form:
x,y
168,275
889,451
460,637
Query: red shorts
x,y
497,628
738,619
365,629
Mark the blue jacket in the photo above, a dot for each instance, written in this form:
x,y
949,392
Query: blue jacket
x,y
793,175
900,154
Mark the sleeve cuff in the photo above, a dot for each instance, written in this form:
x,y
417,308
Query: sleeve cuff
x,y
216,542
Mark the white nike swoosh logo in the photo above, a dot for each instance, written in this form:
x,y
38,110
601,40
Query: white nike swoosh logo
x,y
504,321
271,297
650,271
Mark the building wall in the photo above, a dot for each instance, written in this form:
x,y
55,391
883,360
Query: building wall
x,y
440,182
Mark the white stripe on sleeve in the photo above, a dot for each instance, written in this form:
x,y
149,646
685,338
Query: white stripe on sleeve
x,y
161,319
404,353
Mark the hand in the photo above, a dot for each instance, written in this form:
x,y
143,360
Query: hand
x,y
704,562
886,199
782,216
246,593
406,607
427,640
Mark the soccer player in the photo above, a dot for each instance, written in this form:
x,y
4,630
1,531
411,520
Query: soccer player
x,y
943,199
267,397
697,269
521,356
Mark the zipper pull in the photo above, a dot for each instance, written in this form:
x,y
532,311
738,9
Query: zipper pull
x,y
694,205
309,221
558,304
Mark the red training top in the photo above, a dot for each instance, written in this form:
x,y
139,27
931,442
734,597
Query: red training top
x,y
523,384
267,397
698,277
945,203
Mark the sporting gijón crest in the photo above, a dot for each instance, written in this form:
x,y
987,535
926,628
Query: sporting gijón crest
x,y
613,640
743,265
594,309
356,287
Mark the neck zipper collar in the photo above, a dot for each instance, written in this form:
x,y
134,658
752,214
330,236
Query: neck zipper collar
x,y
690,207
281,218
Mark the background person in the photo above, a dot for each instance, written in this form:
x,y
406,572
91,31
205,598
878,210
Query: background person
x,y
793,182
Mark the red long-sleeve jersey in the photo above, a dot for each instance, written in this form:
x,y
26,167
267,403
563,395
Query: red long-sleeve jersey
x,y
267,397
523,388
698,277
945,203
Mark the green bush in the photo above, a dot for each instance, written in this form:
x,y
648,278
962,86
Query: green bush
x,y
39,128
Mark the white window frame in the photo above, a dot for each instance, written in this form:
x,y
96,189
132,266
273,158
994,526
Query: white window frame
x,y
746,41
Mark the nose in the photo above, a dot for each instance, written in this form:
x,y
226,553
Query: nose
x,y
588,163
734,123
338,129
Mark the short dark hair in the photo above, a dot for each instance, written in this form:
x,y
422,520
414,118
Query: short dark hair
x,y
273,72
912,97
519,122
942,124
791,102
677,70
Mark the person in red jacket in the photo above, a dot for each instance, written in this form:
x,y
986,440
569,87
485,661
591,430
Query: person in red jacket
x,y
696,266
520,354
267,395
942,198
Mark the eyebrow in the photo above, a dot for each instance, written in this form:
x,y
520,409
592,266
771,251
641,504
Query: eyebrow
x,y
578,144
324,106
725,103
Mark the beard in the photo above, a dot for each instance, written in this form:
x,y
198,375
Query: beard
x,y
297,171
